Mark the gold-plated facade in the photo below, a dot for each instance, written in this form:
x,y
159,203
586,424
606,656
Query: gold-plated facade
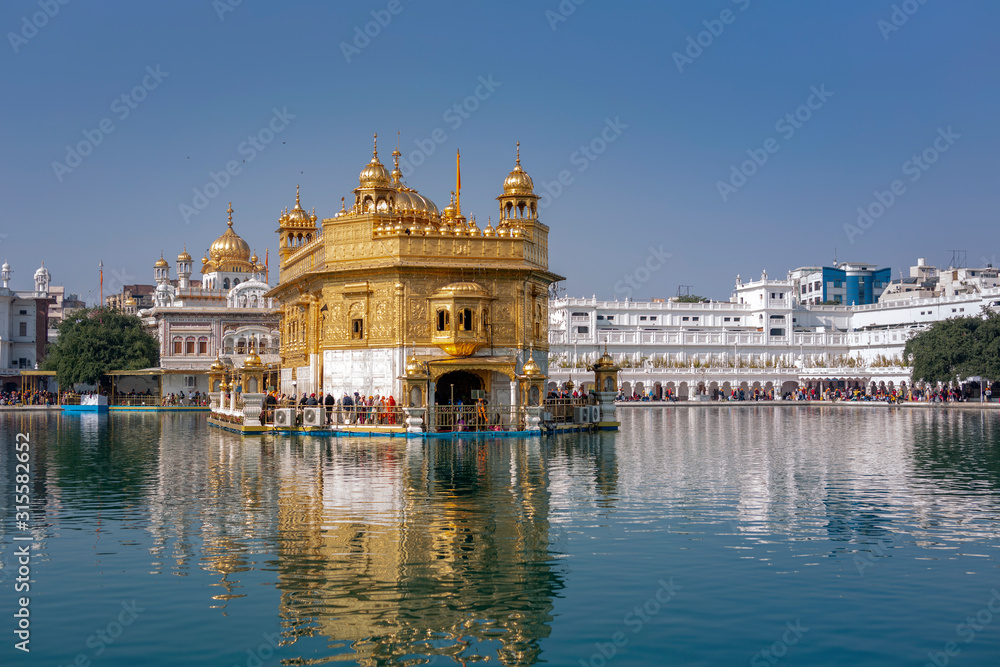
x,y
393,273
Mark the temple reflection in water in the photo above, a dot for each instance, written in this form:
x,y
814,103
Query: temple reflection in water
x,y
427,549
388,549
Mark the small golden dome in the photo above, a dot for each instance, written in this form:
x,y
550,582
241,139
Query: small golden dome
x,y
605,362
217,365
518,182
161,263
298,216
254,259
252,360
184,256
414,368
489,230
374,175
531,369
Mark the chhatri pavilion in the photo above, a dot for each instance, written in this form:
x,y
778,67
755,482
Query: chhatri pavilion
x,y
395,297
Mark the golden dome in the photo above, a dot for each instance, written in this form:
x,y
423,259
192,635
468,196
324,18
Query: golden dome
x,y
217,365
161,263
530,368
252,360
414,368
408,200
230,248
605,362
298,216
405,203
374,175
184,256
518,182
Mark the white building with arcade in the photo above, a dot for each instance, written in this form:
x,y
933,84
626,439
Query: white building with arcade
x,y
762,338
223,315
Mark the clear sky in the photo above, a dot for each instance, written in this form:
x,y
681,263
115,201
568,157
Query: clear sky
x,y
645,126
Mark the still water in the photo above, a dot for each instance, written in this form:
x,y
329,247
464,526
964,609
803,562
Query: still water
x,y
714,536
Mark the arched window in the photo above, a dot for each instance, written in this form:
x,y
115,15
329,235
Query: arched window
x,y
443,320
203,345
178,345
465,320
189,345
225,284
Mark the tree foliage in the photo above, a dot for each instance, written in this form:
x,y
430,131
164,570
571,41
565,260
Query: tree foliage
x,y
690,298
957,348
94,341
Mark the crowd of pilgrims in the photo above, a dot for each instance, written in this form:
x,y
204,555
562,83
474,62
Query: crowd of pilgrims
x,y
27,398
941,395
356,409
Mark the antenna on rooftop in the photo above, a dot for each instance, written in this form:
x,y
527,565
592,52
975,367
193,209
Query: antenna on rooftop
x,y
958,259
684,290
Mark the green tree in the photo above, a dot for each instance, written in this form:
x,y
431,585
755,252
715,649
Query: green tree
x,y
959,347
94,341
690,298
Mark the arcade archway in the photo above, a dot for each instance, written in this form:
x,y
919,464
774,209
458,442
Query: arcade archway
x,y
456,386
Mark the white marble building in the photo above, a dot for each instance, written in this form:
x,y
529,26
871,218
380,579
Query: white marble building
x,y
223,315
23,325
760,338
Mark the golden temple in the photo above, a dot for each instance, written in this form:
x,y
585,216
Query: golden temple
x,y
393,296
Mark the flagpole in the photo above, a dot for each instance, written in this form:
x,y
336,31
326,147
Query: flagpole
x,y
458,182
101,267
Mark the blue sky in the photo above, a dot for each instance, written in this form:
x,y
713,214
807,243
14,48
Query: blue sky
x,y
661,132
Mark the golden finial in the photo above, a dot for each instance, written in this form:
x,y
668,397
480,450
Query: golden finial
x,y
519,154
297,197
230,212
342,208
375,150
